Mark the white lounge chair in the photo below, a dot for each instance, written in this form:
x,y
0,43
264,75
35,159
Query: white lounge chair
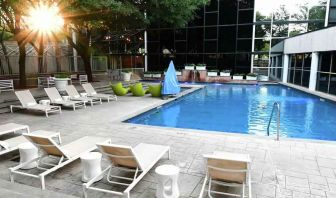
x,y
228,170
9,145
28,102
56,98
74,95
138,161
92,93
12,128
65,154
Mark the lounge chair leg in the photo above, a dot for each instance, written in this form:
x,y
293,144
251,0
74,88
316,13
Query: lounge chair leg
x,y
84,191
42,182
168,153
91,104
11,108
46,114
74,108
11,176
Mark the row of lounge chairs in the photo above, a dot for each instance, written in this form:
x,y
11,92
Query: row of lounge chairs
x,y
223,168
76,100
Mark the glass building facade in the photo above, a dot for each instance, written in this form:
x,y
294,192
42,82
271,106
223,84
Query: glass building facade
x,y
238,34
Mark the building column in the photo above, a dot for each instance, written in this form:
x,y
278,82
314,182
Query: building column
x,y
285,65
313,71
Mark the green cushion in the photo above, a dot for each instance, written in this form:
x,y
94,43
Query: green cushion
x,y
137,90
155,90
119,90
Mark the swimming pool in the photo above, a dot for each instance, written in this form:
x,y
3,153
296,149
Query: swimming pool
x,y
246,109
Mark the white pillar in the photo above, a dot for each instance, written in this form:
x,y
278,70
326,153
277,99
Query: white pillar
x,y
313,71
285,65
74,39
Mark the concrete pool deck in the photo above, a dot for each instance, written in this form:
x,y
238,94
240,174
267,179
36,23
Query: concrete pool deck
x,y
289,168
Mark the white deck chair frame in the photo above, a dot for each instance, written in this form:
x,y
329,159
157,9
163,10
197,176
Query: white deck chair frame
x,y
209,180
134,180
62,161
35,107
56,98
74,95
89,89
11,144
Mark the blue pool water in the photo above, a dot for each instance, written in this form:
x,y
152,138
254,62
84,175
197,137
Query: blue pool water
x,y
247,109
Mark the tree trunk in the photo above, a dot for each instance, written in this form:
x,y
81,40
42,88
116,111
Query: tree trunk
x,y
22,65
87,65
57,57
4,50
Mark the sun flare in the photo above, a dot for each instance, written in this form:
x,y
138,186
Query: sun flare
x,y
45,19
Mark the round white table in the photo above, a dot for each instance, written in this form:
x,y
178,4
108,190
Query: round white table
x,y
91,165
167,176
28,152
44,102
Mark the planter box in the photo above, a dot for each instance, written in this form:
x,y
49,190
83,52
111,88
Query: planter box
x,y
178,73
189,67
251,77
61,83
156,75
126,76
200,68
237,77
225,74
263,78
148,75
212,74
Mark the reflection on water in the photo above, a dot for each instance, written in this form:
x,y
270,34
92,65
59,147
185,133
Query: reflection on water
x,y
247,109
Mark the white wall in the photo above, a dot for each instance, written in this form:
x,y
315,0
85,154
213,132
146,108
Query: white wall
x,y
322,40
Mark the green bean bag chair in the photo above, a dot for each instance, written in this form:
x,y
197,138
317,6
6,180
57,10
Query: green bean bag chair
x,y
119,90
137,90
155,90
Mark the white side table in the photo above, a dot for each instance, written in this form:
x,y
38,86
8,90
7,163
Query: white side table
x,y
28,152
66,98
44,102
91,166
167,176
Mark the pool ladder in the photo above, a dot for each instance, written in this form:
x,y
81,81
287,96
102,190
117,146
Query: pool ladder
x,y
276,105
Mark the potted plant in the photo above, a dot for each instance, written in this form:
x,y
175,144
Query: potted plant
x,y
189,66
61,80
178,73
212,73
251,76
148,74
238,76
126,75
156,74
225,73
201,67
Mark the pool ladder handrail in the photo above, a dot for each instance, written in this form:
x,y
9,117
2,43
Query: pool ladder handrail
x,y
277,106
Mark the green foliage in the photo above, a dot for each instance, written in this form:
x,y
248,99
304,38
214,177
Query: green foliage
x,y
62,75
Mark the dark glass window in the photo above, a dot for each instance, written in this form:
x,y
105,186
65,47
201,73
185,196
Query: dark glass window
x,y
307,61
227,39
299,61
305,78
211,60
297,77
210,46
293,59
195,34
244,45
322,82
317,12
245,16
332,86
226,61
180,34
279,73
211,18
153,35
153,61
198,20
246,4
262,30
181,46
261,45
315,26
245,31
213,6
195,58
280,30
153,47
227,12
243,60
180,60
290,76
210,33
166,38
325,60
333,65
